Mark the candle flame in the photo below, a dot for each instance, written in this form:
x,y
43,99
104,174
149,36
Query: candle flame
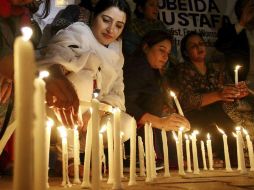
x,y
220,130
186,136
91,110
27,32
43,74
195,132
208,136
75,127
238,128
63,132
181,129
50,122
245,131
237,67
95,94
175,136
103,129
115,110
234,134
172,94
121,134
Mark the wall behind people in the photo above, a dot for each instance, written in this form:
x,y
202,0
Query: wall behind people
x,y
204,16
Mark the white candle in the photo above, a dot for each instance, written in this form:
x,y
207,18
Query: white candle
x,y
95,144
180,144
250,150
165,152
187,144
238,155
132,180
63,134
24,107
110,152
180,111
241,153
194,152
117,162
76,179
87,159
148,149
177,150
203,154
226,153
50,124
40,151
101,154
141,157
152,152
209,151
237,67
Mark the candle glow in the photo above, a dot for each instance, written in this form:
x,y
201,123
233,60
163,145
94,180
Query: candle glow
x,y
27,33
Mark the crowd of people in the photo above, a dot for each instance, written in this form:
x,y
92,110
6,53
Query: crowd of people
x,y
97,46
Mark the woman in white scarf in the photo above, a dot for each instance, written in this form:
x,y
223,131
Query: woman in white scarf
x,y
87,54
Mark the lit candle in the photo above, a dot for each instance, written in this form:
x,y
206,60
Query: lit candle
x,y
250,149
141,157
148,149
194,152
76,148
180,144
203,154
238,153
95,143
177,150
121,153
24,110
180,111
165,153
226,153
110,152
237,67
50,124
132,180
241,153
187,144
209,151
102,155
152,152
87,159
63,134
117,162
40,151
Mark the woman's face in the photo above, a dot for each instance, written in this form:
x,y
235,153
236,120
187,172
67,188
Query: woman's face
x,y
196,49
151,9
108,25
158,54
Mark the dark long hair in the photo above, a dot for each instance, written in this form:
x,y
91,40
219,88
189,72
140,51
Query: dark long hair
x,y
139,4
184,43
239,5
102,5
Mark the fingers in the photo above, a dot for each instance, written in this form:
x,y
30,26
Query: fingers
x,y
5,92
175,121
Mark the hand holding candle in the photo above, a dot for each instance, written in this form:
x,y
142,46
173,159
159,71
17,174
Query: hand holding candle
x,y
237,67
180,111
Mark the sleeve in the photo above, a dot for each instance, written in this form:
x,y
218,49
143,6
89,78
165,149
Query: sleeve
x,y
65,18
116,96
134,83
188,98
226,36
66,49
